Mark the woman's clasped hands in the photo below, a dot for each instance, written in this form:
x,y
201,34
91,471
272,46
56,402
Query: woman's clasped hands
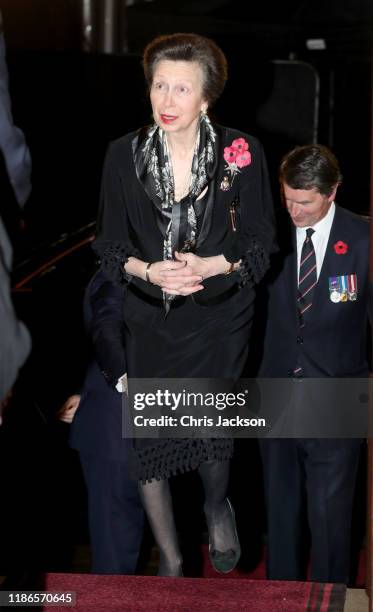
x,y
182,276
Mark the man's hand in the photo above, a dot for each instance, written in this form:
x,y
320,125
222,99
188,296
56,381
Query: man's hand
x,y
69,408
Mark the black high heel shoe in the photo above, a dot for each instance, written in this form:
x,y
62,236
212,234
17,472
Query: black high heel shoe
x,y
225,561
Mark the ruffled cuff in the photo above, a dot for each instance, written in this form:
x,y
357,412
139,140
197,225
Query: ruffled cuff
x,y
114,256
254,263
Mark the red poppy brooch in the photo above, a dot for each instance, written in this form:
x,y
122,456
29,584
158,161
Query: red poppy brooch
x,y
237,156
340,248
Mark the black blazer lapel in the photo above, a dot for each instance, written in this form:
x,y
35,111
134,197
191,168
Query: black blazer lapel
x,y
288,246
292,279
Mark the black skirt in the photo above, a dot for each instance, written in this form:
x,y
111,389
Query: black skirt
x,y
193,341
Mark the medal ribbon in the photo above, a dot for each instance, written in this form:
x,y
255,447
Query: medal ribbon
x,y
352,284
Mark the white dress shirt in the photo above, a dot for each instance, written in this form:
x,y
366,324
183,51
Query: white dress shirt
x,y
319,238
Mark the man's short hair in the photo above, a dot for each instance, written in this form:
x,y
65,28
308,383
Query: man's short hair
x,y
311,166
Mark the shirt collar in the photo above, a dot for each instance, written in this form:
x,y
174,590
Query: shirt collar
x,y
322,227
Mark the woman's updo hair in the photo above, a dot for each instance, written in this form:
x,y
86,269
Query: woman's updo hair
x,y
188,47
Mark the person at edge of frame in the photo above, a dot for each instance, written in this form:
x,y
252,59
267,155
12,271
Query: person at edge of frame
x,y
115,514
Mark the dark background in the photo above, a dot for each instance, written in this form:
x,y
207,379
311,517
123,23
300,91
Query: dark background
x,y
70,104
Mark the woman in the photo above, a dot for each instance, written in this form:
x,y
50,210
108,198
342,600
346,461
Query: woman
x,y
186,222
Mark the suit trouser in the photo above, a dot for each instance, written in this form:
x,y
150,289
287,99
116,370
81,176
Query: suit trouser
x,y
115,513
322,472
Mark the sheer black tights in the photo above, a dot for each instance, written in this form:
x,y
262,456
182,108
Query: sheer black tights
x,y
157,502
215,478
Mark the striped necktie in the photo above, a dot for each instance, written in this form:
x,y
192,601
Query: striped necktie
x,y
307,278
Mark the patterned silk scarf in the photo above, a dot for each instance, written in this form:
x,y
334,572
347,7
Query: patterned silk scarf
x,y
178,219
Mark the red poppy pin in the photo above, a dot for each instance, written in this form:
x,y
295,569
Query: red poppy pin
x,y
340,247
237,156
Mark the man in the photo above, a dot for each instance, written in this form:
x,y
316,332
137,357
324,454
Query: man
x,y
15,187
15,160
316,328
115,513
15,341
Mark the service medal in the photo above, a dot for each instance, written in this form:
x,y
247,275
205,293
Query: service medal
x,y
334,289
352,287
344,296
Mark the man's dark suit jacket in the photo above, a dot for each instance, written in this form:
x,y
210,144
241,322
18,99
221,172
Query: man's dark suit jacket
x,y
97,426
333,343
15,340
